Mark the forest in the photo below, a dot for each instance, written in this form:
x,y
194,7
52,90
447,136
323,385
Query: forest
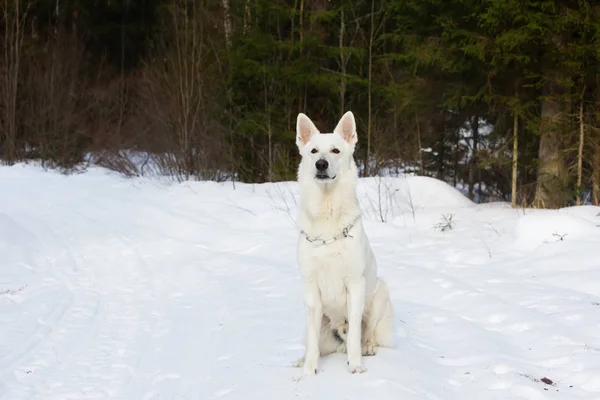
x,y
499,98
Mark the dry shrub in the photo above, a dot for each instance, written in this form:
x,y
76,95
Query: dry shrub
x,y
55,108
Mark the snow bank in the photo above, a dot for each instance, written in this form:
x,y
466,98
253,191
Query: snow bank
x,y
545,226
16,243
384,199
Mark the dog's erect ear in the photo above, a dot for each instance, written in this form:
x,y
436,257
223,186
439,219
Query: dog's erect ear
x,y
305,129
346,128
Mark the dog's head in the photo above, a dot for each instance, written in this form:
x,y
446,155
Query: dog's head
x,y
326,156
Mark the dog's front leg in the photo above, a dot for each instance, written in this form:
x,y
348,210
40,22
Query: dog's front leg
x,y
356,305
314,318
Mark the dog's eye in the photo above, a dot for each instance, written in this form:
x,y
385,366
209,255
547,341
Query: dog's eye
x,y
314,151
335,151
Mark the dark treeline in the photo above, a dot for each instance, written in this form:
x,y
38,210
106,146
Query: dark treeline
x,y
498,97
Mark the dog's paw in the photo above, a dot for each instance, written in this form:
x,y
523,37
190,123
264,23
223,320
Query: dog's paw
x,y
369,349
299,363
309,370
357,369
341,332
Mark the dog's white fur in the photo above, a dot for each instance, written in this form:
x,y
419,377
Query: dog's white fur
x,y
339,279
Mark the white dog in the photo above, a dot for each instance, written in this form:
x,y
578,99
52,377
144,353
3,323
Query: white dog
x,y
348,308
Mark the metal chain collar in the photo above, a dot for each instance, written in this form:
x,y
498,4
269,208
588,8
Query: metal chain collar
x,y
344,234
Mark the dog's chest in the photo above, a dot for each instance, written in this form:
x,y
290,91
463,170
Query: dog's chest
x,y
330,267
331,280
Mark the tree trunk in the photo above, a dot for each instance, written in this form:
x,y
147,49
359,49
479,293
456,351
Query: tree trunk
x,y
473,163
266,89
342,65
226,23
13,44
456,158
580,153
301,91
370,94
515,159
551,186
441,152
420,149
316,26
301,20
596,174
596,159
248,17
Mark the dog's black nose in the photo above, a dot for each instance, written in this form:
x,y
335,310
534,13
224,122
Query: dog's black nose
x,y
321,165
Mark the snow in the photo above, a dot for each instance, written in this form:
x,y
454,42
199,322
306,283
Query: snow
x,y
140,289
543,227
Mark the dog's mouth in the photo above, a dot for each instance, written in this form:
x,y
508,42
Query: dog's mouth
x,y
322,177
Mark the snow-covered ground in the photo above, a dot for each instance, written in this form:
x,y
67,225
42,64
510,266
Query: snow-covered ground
x,y
137,290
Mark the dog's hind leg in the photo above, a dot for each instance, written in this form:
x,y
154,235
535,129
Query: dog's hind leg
x,y
378,329
384,331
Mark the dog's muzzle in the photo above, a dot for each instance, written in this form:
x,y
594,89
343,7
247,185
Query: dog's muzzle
x,y
323,176
321,166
